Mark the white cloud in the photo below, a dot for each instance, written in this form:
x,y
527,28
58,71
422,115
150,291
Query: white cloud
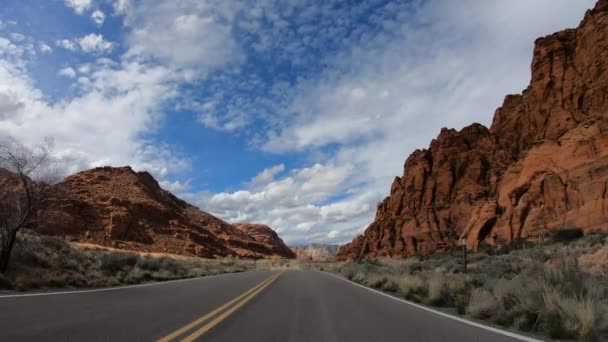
x,y
67,44
9,104
91,43
175,187
193,36
44,48
98,17
17,37
121,6
67,72
103,125
84,68
94,43
295,205
228,121
267,175
79,6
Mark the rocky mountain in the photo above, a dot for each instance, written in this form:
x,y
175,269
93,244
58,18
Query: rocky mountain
x,y
122,208
541,166
266,236
316,251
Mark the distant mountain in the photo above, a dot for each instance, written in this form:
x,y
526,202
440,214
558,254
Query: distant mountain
x,y
121,208
541,166
266,236
315,251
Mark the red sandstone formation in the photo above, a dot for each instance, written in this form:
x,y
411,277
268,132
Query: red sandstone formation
x,y
316,252
541,166
121,208
266,236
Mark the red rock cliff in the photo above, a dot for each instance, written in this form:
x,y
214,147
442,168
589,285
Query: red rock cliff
x,y
541,166
266,236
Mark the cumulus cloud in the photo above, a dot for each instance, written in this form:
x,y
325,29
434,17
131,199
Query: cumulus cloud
x,y
94,43
121,6
67,44
84,68
79,6
190,36
103,125
9,104
90,43
296,205
98,17
119,103
44,48
67,72
267,175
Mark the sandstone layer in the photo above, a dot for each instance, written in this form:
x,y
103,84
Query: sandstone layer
x,y
541,166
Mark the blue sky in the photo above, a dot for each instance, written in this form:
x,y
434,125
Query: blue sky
x,y
297,114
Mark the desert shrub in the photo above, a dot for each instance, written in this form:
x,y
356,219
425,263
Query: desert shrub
x,y
228,261
52,243
539,288
149,264
568,316
436,290
115,262
375,280
171,266
410,286
566,235
482,304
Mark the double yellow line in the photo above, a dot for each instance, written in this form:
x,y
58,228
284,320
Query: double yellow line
x,y
220,313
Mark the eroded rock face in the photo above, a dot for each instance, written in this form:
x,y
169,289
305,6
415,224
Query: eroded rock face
x,y
121,208
316,252
541,166
266,236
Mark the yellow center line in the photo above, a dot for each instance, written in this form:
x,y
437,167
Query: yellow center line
x,y
227,313
216,311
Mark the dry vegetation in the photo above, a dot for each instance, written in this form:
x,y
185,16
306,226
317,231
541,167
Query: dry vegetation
x,y
40,262
558,289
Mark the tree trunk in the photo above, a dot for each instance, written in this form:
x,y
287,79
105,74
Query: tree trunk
x,y
5,254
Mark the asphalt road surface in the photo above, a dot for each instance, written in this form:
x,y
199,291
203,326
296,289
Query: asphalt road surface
x,y
254,306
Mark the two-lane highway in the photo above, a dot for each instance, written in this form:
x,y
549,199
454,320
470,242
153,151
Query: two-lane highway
x,y
253,306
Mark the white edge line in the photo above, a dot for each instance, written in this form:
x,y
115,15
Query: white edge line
x,y
116,287
462,320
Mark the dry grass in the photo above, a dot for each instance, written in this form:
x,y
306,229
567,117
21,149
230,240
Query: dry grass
x,y
540,288
43,262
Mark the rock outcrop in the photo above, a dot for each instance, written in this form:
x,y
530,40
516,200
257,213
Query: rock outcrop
x,y
541,166
267,237
119,207
316,252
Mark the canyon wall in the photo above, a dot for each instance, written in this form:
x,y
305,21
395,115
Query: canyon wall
x,y
541,166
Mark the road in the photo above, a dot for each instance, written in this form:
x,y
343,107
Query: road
x,y
252,306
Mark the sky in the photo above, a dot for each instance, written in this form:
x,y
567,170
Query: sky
x,y
297,113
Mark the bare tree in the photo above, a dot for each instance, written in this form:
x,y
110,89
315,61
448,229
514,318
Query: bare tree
x,y
25,181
